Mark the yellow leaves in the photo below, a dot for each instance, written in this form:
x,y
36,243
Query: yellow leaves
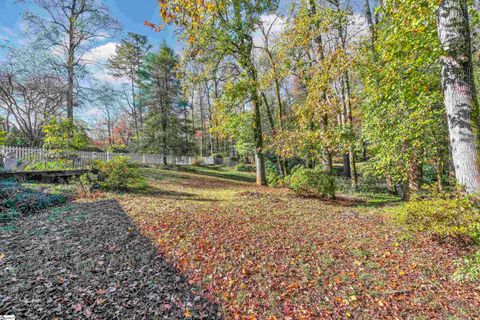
x,y
187,313
2,256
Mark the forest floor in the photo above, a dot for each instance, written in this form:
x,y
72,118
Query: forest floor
x,y
208,243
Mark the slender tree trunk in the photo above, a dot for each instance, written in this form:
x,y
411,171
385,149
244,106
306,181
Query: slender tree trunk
x,y
414,176
134,106
351,149
439,173
454,34
390,185
71,62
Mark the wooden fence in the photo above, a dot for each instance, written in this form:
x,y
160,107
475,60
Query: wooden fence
x,y
83,158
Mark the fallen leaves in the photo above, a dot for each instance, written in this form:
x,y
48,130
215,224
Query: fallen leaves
x,y
267,254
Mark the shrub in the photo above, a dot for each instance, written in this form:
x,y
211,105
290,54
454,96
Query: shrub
x,y
30,203
443,215
242,167
8,189
119,174
85,186
366,183
468,269
197,161
273,178
16,200
310,182
61,164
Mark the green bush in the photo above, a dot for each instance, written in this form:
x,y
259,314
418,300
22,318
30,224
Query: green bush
x,y
443,215
366,183
310,182
49,165
468,269
17,200
85,185
119,174
242,167
273,178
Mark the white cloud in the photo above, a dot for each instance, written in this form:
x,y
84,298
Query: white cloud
x,y
101,53
97,59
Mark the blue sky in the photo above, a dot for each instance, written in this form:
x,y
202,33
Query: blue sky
x,y
131,13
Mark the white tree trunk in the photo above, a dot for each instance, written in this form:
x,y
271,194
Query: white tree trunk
x,y
454,33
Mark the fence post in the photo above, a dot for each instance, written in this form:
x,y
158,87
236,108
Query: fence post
x,y
143,156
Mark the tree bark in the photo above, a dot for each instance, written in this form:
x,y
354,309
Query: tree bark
x,y
71,62
454,33
414,175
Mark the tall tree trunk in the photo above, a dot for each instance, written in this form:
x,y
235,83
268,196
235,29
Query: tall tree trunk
x,y
390,185
71,62
414,175
134,106
257,130
454,33
351,149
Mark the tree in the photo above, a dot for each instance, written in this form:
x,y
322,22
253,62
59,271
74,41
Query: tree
x,y
125,63
107,101
160,92
68,27
63,136
458,87
30,93
403,118
224,30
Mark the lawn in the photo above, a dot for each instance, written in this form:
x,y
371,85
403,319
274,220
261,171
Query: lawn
x,y
207,243
267,254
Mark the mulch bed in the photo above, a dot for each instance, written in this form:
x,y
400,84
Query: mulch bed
x,y
88,261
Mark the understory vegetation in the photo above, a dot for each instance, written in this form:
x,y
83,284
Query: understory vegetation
x,y
17,201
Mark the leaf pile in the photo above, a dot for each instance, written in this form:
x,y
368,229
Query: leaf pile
x,y
87,261
268,254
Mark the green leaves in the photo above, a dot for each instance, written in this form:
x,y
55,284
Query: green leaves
x,y
65,135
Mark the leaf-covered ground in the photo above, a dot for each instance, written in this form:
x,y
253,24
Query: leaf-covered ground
x,y
209,244
88,261
265,253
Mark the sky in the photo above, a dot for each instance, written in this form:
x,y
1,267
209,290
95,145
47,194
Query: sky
x,y
130,13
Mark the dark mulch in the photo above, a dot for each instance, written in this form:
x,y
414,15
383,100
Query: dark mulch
x,y
89,261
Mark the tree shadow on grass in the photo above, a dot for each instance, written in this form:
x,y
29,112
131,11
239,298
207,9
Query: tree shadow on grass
x,y
170,194
354,201
216,173
88,260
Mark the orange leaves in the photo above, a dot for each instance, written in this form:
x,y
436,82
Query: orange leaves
x,y
153,26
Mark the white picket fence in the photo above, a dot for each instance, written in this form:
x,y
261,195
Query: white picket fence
x,y
82,158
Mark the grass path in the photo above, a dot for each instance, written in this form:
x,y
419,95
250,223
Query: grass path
x,y
267,254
